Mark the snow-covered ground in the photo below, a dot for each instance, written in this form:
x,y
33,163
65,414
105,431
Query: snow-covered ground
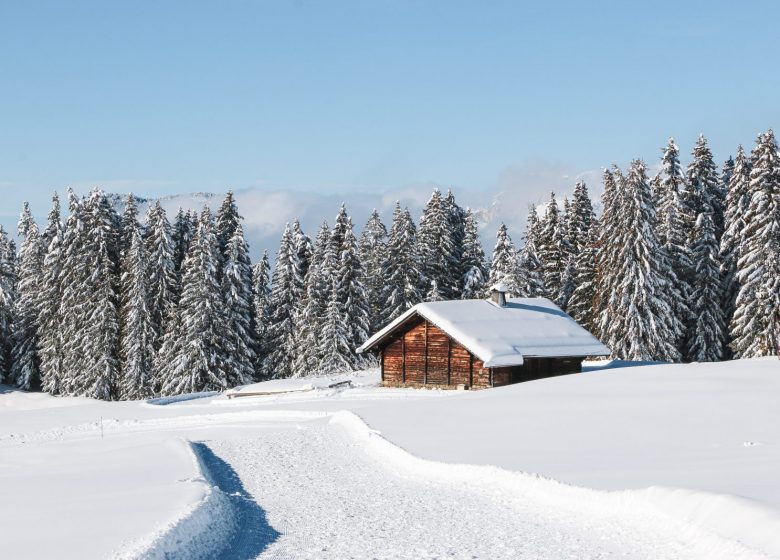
x,y
651,462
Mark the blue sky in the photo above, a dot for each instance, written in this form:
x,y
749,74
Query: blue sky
x,y
336,97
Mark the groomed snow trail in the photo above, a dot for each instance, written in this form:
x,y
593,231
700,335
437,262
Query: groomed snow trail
x,y
328,497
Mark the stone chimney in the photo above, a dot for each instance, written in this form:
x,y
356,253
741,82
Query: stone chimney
x,y
498,294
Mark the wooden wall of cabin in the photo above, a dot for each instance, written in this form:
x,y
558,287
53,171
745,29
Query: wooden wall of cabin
x,y
425,354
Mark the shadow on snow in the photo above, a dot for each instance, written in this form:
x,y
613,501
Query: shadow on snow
x,y
251,533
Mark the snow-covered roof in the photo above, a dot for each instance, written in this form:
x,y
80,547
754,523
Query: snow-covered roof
x,y
502,336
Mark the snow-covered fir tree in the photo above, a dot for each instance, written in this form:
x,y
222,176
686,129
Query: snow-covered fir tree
x,y
237,291
436,248
129,223
755,326
261,280
504,264
181,236
351,294
402,266
529,260
640,319
609,246
568,283
302,253
457,221
670,231
373,248
136,348
49,319
675,218
581,304
162,283
472,260
581,217
7,282
280,333
552,250
194,354
318,290
72,313
704,187
25,362
333,348
737,203
706,341
97,368
228,219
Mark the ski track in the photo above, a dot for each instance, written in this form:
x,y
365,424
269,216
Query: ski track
x,y
323,495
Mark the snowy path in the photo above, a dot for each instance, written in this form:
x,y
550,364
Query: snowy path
x,y
327,497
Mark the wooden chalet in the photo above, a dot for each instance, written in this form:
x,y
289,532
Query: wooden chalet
x,y
481,343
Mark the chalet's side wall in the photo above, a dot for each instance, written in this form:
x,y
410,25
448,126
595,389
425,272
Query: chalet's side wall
x,y
423,354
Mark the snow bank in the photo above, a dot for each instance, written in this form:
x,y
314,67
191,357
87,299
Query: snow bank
x,y
365,378
725,526
201,531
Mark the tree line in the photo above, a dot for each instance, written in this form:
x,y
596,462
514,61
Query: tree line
x,y
680,266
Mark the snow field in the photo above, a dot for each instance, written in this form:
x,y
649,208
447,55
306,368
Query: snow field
x,y
682,461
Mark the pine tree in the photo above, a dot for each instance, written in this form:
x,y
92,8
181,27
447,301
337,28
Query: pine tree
x,y
7,282
755,327
302,253
318,290
351,294
670,212
705,188
181,236
237,290
473,260
504,264
49,319
529,260
607,251
640,319
706,342
581,304
336,318
67,366
129,223
334,348
261,279
581,217
373,248
161,282
136,348
194,354
436,247
281,334
402,267
228,219
737,203
25,369
457,226
675,219
98,374
566,223
552,250
568,283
